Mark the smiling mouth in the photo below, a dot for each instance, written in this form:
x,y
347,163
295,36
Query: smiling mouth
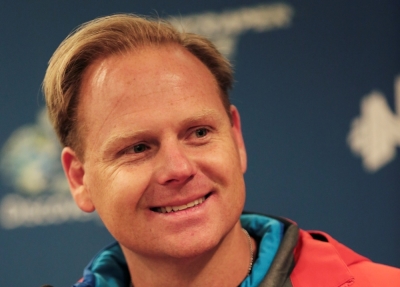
x,y
168,209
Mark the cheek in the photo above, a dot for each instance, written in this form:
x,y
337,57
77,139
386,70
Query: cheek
x,y
230,169
116,194
223,165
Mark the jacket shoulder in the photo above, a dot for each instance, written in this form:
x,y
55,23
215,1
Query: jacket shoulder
x,y
364,269
320,259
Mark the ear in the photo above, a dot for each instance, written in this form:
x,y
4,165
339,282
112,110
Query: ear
x,y
75,173
237,133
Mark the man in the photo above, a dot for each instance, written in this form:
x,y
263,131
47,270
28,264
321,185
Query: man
x,y
152,143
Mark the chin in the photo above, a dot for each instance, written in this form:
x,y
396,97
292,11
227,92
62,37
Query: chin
x,y
193,250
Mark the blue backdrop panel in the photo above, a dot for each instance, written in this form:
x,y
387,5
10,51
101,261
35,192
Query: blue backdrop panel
x,y
318,88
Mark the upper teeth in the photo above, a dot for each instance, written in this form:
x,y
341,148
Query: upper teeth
x,y
167,209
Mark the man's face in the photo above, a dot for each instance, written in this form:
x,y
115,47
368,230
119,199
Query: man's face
x,y
158,137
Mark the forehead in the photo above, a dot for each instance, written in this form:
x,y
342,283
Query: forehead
x,y
144,84
146,69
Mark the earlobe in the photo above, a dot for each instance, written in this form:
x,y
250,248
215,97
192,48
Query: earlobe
x,y
75,172
237,131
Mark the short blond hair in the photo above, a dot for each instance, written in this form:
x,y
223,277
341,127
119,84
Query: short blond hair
x,y
107,36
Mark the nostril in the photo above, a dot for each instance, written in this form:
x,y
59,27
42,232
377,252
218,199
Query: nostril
x,y
177,178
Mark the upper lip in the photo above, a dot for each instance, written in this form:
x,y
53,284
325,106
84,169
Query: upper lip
x,y
182,201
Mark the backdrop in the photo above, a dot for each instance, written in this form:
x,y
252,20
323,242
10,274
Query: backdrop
x,y
318,87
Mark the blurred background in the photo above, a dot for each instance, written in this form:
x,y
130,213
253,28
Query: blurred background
x,y
316,88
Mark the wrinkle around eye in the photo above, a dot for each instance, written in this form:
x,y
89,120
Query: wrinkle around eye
x,y
135,153
130,153
130,157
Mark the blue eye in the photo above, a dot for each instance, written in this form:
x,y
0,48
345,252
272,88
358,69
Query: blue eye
x,y
201,132
139,148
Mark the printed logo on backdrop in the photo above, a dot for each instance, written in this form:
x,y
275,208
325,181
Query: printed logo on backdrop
x,y
30,159
30,164
224,29
375,134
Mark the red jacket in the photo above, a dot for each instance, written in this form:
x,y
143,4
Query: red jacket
x,y
328,263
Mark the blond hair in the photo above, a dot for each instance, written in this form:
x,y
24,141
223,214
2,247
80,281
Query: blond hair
x,y
107,36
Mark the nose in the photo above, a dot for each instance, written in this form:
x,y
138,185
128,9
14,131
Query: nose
x,y
174,165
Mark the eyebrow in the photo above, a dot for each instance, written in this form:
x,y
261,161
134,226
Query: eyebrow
x,y
205,113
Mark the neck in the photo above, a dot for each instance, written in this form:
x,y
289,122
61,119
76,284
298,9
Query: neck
x,y
226,264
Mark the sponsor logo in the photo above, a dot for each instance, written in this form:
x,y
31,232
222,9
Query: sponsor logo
x,y
30,159
30,164
375,134
224,29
